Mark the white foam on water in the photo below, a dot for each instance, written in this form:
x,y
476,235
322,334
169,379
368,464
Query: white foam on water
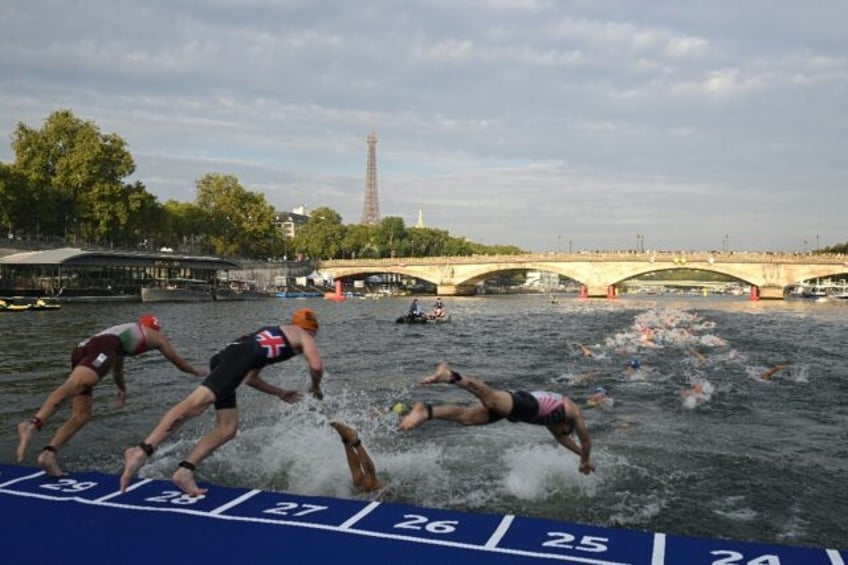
x,y
535,472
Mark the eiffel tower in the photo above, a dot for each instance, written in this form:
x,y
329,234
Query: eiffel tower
x,y
371,207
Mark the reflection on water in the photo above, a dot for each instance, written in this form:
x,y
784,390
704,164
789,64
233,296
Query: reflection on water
x,y
753,459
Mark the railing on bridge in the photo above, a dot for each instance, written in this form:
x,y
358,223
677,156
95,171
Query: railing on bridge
x,y
681,257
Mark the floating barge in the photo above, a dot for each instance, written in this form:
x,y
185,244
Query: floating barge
x,y
72,274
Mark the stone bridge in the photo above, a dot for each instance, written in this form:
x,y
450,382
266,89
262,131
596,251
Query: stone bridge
x,y
599,273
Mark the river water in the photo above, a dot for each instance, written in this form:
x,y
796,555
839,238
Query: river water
x,y
756,459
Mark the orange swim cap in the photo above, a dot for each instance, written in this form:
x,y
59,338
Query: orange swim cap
x,y
305,319
150,321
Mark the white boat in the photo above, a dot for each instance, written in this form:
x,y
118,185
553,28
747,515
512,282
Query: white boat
x,y
178,290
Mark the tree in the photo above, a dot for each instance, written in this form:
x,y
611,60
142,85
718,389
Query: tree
x,y
428,242
391,234
241,220
16,204
322,236
360,242
76,176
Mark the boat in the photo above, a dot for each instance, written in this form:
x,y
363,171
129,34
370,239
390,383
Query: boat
x,y
297,292
45,304
14,306
424,319
178,290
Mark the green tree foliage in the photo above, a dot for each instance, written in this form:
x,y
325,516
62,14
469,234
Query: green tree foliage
x,y
391,236
183,225
322,236
240,221
360,242
838,248
427,242
17,207
75,175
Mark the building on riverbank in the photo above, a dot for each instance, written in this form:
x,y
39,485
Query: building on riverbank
x,y
73,274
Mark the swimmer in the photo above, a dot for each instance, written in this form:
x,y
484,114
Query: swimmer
x,y
771,372
91,360
558,413
396,410
585,377
363,473
697,394
239,362
583,349
700,356
599,399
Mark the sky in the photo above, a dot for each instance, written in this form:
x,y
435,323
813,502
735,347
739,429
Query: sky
x,y
550,125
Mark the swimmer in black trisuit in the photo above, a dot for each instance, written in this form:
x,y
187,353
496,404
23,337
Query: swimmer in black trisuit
x,y
239,362
558,413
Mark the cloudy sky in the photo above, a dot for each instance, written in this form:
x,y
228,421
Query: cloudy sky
x,y
551,125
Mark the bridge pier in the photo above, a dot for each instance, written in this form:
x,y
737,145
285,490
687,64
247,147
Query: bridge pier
x,y
771,292
456,290
598,291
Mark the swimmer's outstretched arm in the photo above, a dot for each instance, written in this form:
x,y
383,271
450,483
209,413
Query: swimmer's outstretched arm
x,y
255,381
770,373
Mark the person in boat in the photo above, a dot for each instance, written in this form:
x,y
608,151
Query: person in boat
x,y
238,362
558,413
91,360
415,310
363,473
439,310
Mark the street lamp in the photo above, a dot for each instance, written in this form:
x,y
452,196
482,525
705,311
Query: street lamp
x,y
559,244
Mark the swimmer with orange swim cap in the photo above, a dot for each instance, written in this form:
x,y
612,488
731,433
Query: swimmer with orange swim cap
x,y
240,361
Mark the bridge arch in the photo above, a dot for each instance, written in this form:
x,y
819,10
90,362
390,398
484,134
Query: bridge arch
x,y
771,273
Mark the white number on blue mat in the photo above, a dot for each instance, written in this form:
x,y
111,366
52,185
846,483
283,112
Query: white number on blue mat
x,y
414,522
175,497
734,557
283,509
562,540
68,485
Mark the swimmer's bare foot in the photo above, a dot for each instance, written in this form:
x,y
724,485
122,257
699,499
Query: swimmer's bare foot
x,y
348,434
134,459
418,414
47,461
184,479
25,432
443,374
